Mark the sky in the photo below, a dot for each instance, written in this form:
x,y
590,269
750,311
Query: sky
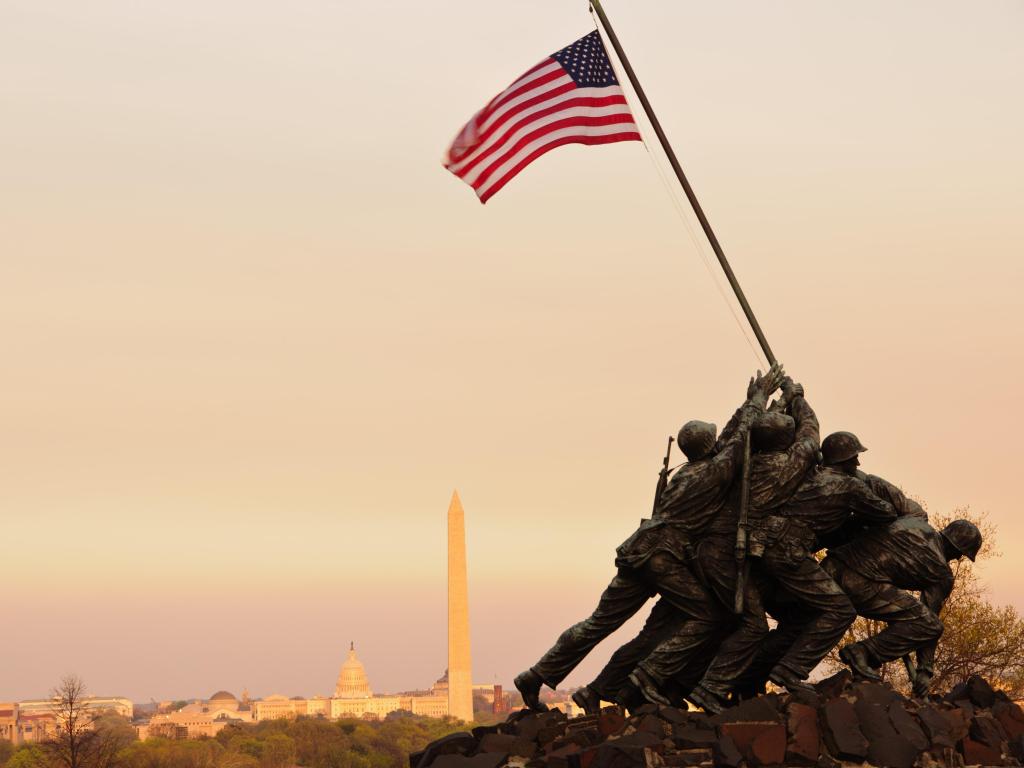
x,y
253,334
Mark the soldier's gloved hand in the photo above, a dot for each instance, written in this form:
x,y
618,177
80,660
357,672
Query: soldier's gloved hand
x,y
754,387
773,379
767,383
791,390
922,682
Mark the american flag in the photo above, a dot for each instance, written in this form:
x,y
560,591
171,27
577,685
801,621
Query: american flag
x,y
572,97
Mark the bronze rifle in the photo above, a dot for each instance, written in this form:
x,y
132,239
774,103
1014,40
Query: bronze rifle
x,y
743,530
662,478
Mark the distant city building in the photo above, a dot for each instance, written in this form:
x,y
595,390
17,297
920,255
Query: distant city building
x,y
353,698
32,721
8,721
199,718
352,680
96,704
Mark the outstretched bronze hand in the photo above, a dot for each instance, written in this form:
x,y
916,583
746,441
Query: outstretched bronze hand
x,y
791,390
767,383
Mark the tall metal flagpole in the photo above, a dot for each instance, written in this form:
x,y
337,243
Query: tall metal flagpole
x,y
705,225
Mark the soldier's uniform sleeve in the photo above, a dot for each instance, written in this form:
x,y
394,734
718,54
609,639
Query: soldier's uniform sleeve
x,y
867,507
715,474
729,455
934,596
904,507
730,429
801,456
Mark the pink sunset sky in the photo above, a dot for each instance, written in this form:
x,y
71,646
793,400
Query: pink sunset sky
x,y
254,334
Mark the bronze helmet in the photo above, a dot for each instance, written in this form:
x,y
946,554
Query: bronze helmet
x,y
839,447
965,536
697,438
773,432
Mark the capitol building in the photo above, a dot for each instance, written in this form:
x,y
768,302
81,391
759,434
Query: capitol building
x,y
353,698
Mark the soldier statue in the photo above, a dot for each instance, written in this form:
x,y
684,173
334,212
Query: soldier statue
x,y
874,567
654,560
803,503
877,568
694,644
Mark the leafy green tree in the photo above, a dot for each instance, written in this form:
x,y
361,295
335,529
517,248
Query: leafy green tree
x,y
247,745
28,756
230,759
278,751
310,742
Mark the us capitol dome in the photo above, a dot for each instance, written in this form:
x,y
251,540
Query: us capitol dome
x,y
352,680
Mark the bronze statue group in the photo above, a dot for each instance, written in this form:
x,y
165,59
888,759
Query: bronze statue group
x,y
734,538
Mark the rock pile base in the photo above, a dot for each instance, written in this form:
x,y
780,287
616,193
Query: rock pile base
x,y
844,723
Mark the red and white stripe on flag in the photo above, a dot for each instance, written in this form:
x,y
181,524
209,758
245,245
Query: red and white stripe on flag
x,y
572,97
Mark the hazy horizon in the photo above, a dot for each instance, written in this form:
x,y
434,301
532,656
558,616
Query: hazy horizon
x,y
255,334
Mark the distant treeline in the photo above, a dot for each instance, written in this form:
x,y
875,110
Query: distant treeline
x,y
308,742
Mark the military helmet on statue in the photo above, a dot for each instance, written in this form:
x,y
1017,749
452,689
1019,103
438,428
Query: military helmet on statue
x,y
697,438
965,536
839,447
773,432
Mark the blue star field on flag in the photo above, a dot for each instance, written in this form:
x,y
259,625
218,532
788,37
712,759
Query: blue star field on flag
x,y
587,63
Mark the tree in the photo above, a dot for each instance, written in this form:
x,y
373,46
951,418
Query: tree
x,y
310,742
114,729
979,638
237,760
278,751
28,756
70,745
83,737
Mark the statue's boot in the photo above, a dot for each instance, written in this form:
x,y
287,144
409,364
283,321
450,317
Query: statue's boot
x,y
528,683
856,657
648,687
748,690
710,702
630,697
785,678
586,698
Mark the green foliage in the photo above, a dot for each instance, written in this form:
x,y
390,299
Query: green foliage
x,y
278,751
167,753
28,756
310,742
114,730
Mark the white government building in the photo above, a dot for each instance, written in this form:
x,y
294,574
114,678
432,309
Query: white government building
x,y
353,698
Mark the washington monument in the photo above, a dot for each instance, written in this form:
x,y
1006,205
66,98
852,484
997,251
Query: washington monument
x,y
460,675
